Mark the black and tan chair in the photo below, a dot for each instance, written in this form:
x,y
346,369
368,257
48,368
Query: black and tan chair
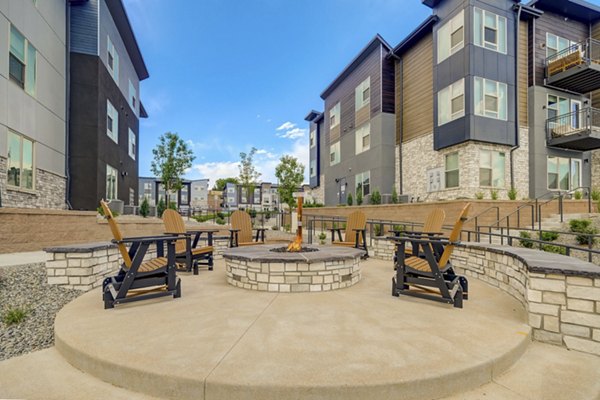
x,y
187,252
431,277
431,228
355,234
241,232
138,279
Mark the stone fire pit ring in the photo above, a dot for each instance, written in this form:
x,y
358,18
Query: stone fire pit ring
x,y
259,268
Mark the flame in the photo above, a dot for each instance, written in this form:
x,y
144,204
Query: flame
x,y
296,245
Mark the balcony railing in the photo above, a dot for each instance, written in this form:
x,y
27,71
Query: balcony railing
x,y
577,130
576,68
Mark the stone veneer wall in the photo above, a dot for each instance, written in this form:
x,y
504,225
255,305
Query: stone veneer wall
x,y
318,193
418,156
596,169
50,191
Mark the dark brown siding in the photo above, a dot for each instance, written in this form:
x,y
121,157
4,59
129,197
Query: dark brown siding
x,y
523,68
417,90
596,94
554,23
387,87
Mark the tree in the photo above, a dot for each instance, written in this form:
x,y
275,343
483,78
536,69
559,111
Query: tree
x,y
248,173
145,208
172,157
290,173
349,199
359,195
375,197
394,196
221,182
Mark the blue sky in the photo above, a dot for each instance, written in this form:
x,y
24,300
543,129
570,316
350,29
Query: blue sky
x,y
226,74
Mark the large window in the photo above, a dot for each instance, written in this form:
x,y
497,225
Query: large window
x,y
20,162
451,169
132,144
22,61
112,59
489,30
132,96
313,136
564,173
363,138
491,168
334,115
491,99
334,153
313,168
363,183
451,102
111,182
112,122
556,44
451,37
362,93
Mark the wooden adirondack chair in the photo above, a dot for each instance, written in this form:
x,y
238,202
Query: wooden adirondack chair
x,y
138,279
430,271
186,249
356,232
240,233
431,228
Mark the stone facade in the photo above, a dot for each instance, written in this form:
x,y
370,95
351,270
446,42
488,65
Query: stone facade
x,y
318,193
418,156
595,169
49,192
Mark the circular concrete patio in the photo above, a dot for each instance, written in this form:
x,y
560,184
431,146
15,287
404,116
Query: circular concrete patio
x,y
219,342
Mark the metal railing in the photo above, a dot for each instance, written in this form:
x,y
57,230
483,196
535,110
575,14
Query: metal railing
x,y
576,122
584,52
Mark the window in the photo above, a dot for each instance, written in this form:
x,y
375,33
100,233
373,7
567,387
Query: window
x,y
112,60
451,102
131,197
111,183
20,162
132,142
490,98
313,168
451,168
363,183
334,115
491,168
556,44
334,153
564,173
363,138
132,97
312,138
564,113
451,37
22,61
489,30
362,93
112,122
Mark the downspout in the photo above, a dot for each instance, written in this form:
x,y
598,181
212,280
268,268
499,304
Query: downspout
x,y
517,127
68,107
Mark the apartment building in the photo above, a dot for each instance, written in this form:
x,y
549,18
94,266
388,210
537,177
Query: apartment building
x,y
153,190
215,200
265,197
106,67
352,141
199,193
33,110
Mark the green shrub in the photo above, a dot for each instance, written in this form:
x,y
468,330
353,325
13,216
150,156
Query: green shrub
x,y
525,240
144,208
173,205
349,199
578,195
494,194
267,214
14,316
287,227
548,236
322,238
252,212
220,221
399,228
160,208
377,229
551,248
583,226
375,197
204,218
512,193
313,204
275,228
101,212
220,214
359,198
394,196
595,195
479,195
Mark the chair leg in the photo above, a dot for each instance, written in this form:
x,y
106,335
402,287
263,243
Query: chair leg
x,y
195,267
464,283
210,262
177,289
458,298
395,292
109,302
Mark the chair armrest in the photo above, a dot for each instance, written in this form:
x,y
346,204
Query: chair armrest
x,y
178,233
145,239
201,230
422,234
234,230
425,241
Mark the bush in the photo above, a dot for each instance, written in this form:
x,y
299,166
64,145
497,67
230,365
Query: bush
x,y
349,199
14,316
479,195
173,205
322,238
377,229
359,198
101,212
578,195
548,236
144,208
551,248
160,208
220,214
394,196
512,193
204,218
275,228
375,197
399,228
494,194
267,214
584,227
220,221
525,240
252,212
595,194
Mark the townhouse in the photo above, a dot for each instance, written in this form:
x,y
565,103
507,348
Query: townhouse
x,y
264,197
488,96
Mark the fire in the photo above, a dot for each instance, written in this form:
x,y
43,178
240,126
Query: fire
x,y
296,245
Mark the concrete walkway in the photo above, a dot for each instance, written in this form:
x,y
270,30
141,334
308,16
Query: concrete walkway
x,y
220,342
26,258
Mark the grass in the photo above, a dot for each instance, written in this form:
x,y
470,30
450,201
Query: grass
x,y
14,316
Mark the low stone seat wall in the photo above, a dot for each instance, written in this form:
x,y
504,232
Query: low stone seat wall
x,y
561,294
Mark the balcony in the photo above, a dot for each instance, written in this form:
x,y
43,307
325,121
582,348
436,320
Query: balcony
x,y
576,68
578,130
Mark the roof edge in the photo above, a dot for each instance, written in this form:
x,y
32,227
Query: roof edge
x,y
417,34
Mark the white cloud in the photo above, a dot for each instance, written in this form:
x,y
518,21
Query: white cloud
x,y
266,153
215,170
294,133
286,126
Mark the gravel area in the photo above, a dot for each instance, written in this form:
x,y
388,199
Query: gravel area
x,y
25,287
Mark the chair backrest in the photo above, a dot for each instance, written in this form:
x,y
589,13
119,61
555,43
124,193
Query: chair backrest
x,y
434,221
241,220
454,235
356,220
174,224
116,232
